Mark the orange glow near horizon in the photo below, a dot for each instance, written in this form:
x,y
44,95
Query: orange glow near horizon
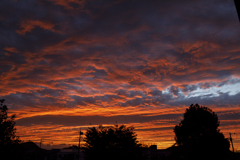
x,y
159,132
68,135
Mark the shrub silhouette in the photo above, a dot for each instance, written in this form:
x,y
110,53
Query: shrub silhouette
x,y
199,136
117,142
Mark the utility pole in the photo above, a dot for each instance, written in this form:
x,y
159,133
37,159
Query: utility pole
x,y
41,143
231,140
80,133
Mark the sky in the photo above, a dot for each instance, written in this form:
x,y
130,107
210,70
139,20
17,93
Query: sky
x,y
66,65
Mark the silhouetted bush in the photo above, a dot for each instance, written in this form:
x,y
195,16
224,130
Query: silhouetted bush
x,y
117,142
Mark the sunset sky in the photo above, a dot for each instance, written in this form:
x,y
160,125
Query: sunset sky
x,y
70,64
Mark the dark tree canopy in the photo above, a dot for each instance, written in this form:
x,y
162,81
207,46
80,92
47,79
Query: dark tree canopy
x,y
7,127
198,133
117,142
197,122
8,139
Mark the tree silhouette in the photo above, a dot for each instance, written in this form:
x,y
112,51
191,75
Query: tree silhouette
x,y
117,142
8,138
199,136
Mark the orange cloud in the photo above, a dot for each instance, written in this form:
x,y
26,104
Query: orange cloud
x,y
11,49
67,3
28,25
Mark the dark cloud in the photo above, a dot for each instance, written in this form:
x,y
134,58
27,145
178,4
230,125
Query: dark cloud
x,y
161,100
107,98
83,100
14,58
155,92
97,73
189,88
174,90
50,92
133,102
34,100
229,116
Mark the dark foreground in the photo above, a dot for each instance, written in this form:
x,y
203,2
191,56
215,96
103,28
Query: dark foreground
x,y
30,151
